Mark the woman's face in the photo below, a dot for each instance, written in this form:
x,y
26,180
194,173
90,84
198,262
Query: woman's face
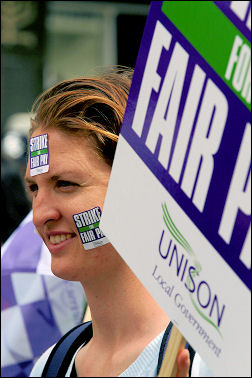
x,y
77,181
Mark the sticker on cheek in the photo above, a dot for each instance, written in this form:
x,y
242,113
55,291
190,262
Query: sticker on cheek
x,y
87,224
39,155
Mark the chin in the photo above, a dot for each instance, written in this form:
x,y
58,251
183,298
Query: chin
x,y
63,272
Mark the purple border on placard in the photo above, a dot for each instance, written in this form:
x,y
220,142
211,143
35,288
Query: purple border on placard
x,y
208,222
224,6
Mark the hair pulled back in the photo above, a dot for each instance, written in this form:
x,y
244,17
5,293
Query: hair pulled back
x,y
87,106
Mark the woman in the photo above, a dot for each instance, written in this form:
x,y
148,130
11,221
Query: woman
x,y
82,118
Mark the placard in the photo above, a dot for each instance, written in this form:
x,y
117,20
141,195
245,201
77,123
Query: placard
x,y
178,206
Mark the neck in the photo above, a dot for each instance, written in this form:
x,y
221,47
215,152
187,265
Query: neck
x,y
120,307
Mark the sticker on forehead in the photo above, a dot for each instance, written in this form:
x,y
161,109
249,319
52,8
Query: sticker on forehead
x,y
87,224
39,155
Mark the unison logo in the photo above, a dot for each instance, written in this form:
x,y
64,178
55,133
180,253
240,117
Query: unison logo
x,y
204,300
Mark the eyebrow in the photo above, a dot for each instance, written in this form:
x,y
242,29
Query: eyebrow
x,y
55,177
28,180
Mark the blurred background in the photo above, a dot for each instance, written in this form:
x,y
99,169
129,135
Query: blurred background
x,y
43,43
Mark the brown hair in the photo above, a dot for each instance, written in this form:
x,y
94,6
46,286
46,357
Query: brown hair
x,y
89,106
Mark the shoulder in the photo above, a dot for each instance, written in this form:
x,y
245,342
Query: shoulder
x,y
40,363
147,362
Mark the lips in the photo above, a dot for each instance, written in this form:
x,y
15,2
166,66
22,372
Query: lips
x,y
59,239
56,239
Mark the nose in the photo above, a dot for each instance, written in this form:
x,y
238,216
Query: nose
x,y
45,209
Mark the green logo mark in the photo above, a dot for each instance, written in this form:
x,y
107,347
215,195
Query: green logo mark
x,y
184,243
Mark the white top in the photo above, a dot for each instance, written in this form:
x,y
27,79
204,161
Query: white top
x,y
144,366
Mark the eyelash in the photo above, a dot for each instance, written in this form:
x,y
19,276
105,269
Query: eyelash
x,y
32,188
60,184
63,182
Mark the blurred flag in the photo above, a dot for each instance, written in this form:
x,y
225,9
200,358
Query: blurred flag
x,y
37,308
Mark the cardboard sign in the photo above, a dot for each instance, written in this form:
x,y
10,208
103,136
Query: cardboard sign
x,y
181,179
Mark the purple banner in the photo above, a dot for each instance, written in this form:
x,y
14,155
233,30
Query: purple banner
x,y
36,308
23,252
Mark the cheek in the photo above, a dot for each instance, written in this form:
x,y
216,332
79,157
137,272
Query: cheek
x,y
86,203
88,199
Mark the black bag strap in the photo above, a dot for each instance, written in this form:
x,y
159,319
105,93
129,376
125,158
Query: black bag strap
x,y
163,347
63,352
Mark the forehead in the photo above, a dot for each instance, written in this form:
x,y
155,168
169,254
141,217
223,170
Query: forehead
x,y
60,141
67,149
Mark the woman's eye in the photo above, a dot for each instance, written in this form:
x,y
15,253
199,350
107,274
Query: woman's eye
x,y
65,184
33,188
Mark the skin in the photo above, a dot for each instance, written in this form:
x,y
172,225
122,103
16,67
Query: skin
x,y
77,181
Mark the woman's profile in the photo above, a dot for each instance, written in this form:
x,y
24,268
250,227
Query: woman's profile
x,y
82,118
